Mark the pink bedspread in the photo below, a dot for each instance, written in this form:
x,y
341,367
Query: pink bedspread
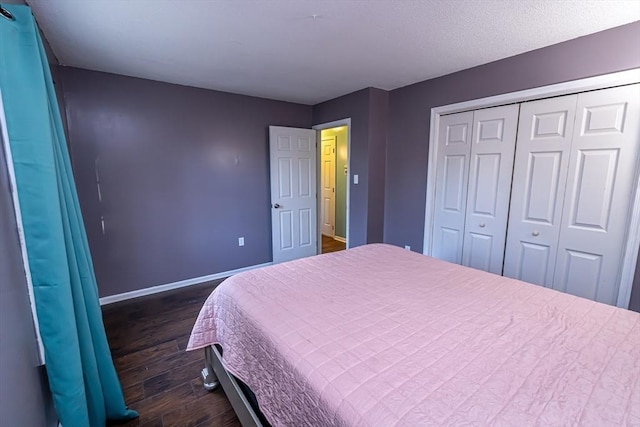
x,y
379,336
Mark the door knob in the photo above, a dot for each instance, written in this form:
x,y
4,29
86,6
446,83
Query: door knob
x,y
535,233
277,206
481,225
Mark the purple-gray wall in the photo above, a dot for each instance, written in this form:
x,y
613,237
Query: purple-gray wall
x,y
609,51
25,399
368,110
634,303
183,173
378,130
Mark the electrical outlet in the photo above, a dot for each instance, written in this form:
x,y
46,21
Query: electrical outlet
x,y
240,241
407,247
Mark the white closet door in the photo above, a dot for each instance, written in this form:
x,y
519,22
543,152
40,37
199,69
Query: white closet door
x,y
491,167
602,173
539,179
454,137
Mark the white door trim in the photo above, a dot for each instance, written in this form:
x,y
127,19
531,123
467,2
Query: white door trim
x,y
322,175
630,256
342,122
566,88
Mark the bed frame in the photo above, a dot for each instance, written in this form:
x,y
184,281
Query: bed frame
x,y
214,374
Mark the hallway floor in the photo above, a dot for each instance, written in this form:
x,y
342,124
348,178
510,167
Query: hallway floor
x,y
329,244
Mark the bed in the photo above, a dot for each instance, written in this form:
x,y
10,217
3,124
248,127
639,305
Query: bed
x,y
378,335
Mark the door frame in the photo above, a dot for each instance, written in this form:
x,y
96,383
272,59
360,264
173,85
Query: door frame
x,y
321,176
318,128
582,85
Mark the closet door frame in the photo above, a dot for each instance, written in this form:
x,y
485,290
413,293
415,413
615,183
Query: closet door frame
x,y
582,85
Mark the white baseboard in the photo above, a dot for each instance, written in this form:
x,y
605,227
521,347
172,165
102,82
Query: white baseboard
x,y
175,285
340,239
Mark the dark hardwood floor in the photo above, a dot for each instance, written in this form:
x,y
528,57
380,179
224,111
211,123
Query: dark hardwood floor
x,y
329,244
160,380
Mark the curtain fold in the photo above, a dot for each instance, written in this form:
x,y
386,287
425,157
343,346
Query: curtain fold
x,y
85,387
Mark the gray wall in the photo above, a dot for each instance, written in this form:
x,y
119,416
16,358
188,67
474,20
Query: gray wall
x,y
175,198
609,51
342,162
183,172
634,303
24,394
368,110
378,129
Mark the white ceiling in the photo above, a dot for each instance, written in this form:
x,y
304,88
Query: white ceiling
x,y
277,49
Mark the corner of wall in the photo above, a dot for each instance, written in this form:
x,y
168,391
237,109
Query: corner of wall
x,y
378,130
634,303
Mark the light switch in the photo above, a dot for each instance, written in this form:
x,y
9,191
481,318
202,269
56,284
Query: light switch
x,y
355,179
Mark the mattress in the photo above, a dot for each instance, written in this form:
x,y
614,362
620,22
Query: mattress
x,y
380,336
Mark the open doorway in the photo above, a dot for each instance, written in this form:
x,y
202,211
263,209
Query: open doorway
x,y
333,179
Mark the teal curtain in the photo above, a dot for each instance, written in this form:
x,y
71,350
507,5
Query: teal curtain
x,y
82,377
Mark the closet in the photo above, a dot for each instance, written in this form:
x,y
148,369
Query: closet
x,y
540,191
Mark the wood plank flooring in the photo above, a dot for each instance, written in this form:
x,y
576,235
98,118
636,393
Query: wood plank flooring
x,y
329,244
160,380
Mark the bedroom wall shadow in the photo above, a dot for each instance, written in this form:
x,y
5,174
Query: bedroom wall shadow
x,y
410,108
634,303
183,173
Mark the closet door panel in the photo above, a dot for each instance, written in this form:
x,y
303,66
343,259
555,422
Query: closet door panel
x,y
491,167
539,177
454,138
534,262
601,178
480,248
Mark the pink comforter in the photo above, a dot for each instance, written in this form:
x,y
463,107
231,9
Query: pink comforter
x,y
379,336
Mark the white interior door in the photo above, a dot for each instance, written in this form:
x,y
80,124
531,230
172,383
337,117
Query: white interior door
x,y
539,179
293,192
491,167
328,185
454,138
601,179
